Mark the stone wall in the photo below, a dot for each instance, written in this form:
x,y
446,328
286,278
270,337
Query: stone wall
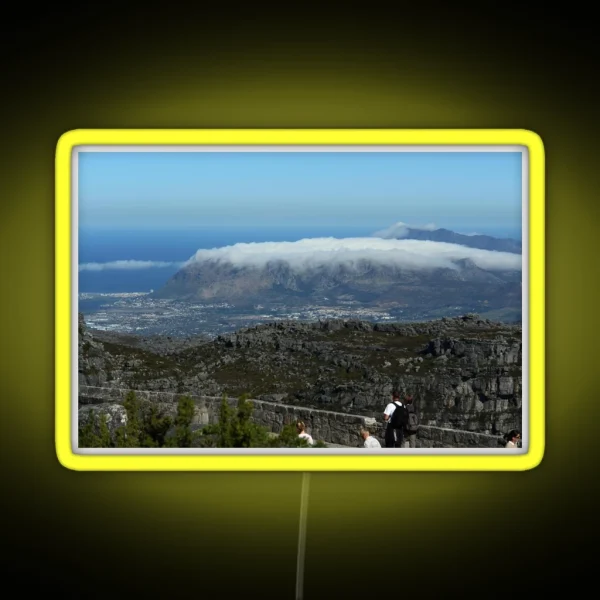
x,y
328,426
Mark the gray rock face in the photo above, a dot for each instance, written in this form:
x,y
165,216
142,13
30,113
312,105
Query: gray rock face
x,y
93,364
463,373
115,415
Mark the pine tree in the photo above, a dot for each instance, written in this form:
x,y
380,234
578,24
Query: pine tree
x,y
95,433
155,427
224,427
104,438
247,434
235,429
87,432
183,421
129,435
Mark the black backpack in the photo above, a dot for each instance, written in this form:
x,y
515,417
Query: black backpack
x,y
399,417
412,423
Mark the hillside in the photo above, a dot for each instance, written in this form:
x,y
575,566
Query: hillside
x,y
463,372
366,283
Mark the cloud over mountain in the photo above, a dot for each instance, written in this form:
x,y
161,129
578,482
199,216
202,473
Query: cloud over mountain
x,y
432,233
399,230
315,252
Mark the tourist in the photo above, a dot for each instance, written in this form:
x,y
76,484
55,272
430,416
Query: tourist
x,y
370,441
412,426
301,429
513,439
394,432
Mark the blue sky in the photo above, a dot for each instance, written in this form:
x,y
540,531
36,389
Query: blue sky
x,y
464,191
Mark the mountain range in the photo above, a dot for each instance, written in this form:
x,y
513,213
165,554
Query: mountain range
x,y
426,268
484,242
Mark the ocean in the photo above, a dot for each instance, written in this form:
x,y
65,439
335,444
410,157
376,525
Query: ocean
x,y
178,245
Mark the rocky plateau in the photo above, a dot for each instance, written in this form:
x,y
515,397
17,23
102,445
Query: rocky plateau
x,y
464,372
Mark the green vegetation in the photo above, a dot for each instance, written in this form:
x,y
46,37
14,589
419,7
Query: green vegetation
x,y
236,430
95,434
183,437
131,434
150,428
149,365
156,427
143,429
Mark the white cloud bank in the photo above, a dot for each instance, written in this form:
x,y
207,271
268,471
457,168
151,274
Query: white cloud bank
x,y
315,252
120,265
400,230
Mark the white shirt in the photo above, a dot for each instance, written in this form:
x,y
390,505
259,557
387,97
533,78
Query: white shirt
x,y
372,442
390,408
510,445
307,437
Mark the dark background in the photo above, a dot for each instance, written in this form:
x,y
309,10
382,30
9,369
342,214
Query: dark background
x,y
233,535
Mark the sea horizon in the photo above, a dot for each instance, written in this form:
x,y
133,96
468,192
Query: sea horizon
x,y
177,244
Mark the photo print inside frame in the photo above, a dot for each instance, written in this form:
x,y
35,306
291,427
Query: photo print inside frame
x,y
299,300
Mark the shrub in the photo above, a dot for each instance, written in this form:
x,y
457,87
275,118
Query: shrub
x,y
104,437
130,435
155,427
183,423
235,429
288,438
87,432
94,434
152,429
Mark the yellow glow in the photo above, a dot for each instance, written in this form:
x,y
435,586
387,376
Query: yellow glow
x,y
246,462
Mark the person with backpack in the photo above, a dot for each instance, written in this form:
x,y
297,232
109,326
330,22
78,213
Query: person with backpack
x,y
396,417
412,424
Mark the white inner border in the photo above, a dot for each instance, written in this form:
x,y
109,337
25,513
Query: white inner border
x,y
298,148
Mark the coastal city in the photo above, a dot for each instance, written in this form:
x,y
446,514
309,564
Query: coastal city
x,y
139,313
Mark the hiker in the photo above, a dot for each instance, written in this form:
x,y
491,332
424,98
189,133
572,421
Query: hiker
x,y
395,417
301,429
412,425
370,441
512,438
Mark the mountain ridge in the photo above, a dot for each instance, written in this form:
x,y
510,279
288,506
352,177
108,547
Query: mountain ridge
x,y
480,241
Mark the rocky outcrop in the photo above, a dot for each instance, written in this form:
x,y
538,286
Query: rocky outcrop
x,y
94,363
115,416
464,373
